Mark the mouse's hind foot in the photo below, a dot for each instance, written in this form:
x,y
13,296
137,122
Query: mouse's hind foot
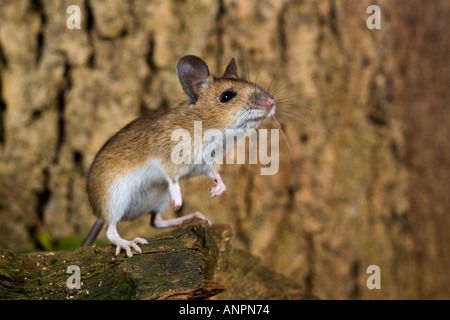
x,y
126,245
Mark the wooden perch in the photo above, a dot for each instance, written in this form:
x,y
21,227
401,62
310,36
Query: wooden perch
x,y
181,264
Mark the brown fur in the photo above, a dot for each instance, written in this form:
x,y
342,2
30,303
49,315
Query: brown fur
x,y
150,136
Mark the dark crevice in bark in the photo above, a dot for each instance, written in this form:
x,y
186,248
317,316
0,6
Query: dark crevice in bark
x,y
282,35
219,31
38,8
89,31
2,101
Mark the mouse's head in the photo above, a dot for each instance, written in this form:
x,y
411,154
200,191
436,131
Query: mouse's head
x,y
226,102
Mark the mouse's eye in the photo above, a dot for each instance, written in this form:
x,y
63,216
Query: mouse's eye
x,y
227,96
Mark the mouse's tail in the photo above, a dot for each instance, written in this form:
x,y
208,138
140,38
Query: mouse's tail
x,y
93,233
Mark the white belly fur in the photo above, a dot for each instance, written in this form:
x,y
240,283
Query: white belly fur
x,y
140,192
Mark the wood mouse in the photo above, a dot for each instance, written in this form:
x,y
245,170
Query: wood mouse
x,y
133,173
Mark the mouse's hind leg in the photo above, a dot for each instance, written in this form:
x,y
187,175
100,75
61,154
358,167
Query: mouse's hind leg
x,y
158,222
115,238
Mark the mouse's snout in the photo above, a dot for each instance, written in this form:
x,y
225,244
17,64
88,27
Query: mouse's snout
x,y
269,102
261,106
262,100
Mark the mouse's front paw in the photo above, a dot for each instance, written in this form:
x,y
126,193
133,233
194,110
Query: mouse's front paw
x,y
218,188
176,203
175,195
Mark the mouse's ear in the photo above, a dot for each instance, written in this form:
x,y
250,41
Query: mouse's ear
x,y
193,74
231,70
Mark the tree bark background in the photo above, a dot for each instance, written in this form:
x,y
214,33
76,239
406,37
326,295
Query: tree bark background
x,y
370,180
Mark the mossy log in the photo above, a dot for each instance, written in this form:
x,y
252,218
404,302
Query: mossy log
x,y
180,264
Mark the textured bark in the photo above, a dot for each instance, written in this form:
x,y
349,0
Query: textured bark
x,y
370,180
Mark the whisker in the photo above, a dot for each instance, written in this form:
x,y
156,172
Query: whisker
x,y
292,115
287,143
277,90
258,74
291,107
295,96
270,84
252,146
274,80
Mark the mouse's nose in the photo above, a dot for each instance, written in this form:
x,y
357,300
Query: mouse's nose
x,y
269,102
